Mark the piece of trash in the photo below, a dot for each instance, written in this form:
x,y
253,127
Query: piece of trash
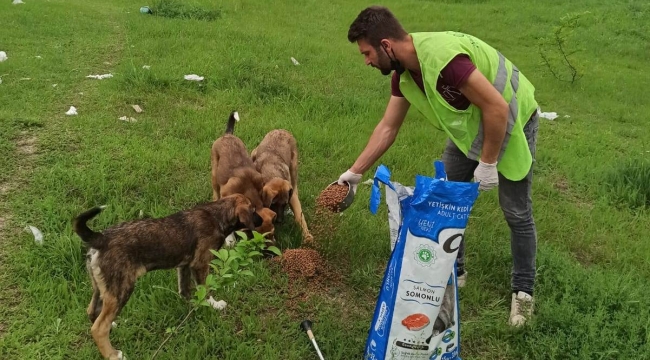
x,y
137,108
81,93
141,214
217,305
72,111
38,57
38,235
113,325
294,61
100,77
54,85
16,2
146,67
194,77
548,115
145,10
3,56
128,119
567,116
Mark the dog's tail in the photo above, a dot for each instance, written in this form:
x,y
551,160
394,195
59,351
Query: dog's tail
x,y
230,128
94,239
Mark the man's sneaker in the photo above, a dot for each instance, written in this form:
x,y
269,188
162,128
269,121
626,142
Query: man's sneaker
x,y
461,279
521,308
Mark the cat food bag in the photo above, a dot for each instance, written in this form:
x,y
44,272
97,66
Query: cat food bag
x,y
416,316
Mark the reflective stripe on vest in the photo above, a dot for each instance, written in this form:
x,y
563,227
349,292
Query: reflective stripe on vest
x,y
500,85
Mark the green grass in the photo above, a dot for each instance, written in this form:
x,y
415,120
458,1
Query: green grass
x,y
592,259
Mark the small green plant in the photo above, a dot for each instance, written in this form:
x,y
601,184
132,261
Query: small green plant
x,y
230,266
629,184
180,10
557,48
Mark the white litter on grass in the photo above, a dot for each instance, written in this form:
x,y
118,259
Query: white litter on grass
x,y
54,85
72,111
146,67
194,77
128,119
236,116
38,57
230,241
100,77
294,61
3,56
548,115
38,235
16,2
113,325
218,305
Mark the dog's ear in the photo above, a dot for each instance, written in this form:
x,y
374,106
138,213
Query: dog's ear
x,y
268,194
247,216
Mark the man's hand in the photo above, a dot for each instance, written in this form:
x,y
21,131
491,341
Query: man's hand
x,y
351,178
486,175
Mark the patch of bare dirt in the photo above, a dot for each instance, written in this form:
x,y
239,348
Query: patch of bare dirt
x,y
562,184
27,145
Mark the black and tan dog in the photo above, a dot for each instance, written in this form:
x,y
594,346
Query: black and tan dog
x,y
276,158
119,255
233,171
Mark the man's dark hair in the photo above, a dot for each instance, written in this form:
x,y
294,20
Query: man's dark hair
x,y
375,23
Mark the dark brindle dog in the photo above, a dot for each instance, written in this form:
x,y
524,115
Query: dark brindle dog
x,y
122,253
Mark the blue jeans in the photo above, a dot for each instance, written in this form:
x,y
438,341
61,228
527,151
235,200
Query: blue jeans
x,y
516,203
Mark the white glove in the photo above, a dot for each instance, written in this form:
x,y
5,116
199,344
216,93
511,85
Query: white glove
x,y
352,178
486,175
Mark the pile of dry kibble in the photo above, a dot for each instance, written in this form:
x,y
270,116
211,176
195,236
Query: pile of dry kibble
x,y
301,263
307,263
331,197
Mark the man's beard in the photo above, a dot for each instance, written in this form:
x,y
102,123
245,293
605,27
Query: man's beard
x,y
386,64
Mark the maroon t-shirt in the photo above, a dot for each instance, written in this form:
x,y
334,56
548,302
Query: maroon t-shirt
x,y
452,77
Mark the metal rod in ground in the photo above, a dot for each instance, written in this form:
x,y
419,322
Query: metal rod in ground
x,y
306,326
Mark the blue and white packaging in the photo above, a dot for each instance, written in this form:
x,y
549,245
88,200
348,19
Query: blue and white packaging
x,y
417,316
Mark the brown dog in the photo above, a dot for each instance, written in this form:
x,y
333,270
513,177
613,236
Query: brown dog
x,y
276,158
119,255
233,171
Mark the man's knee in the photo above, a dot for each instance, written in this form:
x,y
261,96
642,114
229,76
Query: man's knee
x,y
518,217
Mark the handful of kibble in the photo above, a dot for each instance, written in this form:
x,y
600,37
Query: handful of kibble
x,y
332,196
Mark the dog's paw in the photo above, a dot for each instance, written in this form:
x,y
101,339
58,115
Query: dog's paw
x,y
118,356
217,305
308,240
